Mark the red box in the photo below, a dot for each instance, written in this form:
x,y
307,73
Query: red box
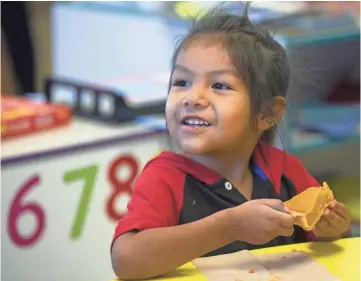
x,y
20,116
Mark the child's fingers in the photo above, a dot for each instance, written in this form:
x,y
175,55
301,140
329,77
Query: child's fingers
x,y
340,209
286,231
326,222
284,220
333,218
325,229
328,232
333,204
323,223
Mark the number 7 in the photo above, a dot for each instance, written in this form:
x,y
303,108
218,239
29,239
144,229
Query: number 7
x,y
88,174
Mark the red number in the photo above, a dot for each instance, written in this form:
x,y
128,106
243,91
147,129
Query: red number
x,y
120,186
18,208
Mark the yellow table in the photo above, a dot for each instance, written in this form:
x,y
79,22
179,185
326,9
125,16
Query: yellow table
x,y
342,258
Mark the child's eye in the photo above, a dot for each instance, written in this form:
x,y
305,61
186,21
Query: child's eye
x,y
181,83
221,86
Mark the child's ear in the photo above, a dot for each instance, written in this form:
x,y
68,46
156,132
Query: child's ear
x,y
271,113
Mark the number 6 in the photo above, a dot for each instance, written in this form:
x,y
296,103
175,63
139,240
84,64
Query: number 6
x,y
18,208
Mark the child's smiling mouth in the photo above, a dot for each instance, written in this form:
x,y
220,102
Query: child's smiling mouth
x,y
192,124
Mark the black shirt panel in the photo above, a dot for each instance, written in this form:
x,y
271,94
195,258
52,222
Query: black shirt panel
x,y
202,200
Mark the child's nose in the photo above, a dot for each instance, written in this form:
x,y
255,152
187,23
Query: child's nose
x,y
192,101
195,98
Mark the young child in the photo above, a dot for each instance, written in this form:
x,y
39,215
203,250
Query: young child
x,y
224,192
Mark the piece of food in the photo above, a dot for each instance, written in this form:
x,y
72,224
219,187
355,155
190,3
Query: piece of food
x,y
251,270
308,206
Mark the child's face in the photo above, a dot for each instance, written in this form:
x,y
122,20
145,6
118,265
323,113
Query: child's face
x,y
208,109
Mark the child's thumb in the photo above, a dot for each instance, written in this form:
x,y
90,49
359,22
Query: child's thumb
x,y
275,204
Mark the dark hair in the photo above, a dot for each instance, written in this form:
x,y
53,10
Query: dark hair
x,y
259,59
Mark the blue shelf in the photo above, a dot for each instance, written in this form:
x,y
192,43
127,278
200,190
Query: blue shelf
x,y
318,39
322,143
322,126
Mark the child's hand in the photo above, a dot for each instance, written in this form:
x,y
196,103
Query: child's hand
x,y
259,221
334,222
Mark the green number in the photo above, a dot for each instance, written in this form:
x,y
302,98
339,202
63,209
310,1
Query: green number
x,y
88,175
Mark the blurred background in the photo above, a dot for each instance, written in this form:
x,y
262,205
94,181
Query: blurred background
x,y
83,88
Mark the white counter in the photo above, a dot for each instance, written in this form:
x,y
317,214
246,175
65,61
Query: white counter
x,y
56,187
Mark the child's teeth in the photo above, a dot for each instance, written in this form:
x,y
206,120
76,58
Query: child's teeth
x,y
196,122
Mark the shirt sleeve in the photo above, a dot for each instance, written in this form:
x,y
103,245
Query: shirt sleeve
x,y
156,201
299,175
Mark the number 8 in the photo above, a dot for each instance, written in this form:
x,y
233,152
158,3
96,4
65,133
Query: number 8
x,y
118,185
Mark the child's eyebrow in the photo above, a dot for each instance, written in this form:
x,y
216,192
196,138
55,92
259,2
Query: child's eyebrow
x,y
212,72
